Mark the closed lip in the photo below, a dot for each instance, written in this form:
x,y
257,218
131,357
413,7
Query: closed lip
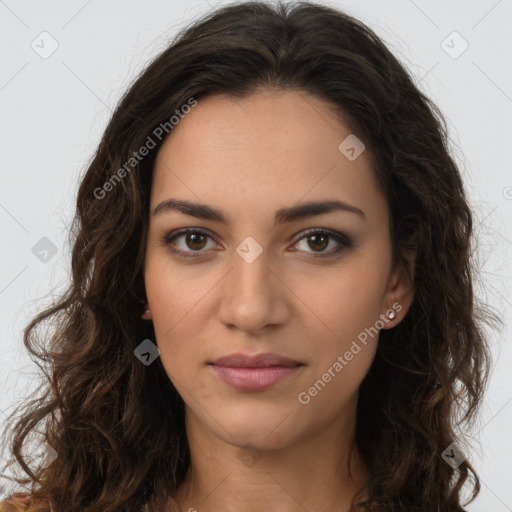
x,y
240,360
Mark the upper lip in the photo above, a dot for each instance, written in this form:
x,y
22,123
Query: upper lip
x,y
240,360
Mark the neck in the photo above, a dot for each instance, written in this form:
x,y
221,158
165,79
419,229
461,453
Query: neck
x,y
311,474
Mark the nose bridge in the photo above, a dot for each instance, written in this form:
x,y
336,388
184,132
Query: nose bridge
x,y
252,296
251,265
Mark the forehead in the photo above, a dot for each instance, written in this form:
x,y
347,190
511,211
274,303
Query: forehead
x,y
273,148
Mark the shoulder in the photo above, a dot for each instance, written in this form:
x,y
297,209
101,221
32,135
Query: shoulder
x,y
22,502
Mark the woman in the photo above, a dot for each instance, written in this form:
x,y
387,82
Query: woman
x,y
271,304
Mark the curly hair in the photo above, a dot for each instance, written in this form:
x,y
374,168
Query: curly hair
x,y
117,425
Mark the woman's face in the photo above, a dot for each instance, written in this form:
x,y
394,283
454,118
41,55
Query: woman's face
x,y
255,278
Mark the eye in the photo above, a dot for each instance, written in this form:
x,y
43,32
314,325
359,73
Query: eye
x,y
197,239
319,238
193,239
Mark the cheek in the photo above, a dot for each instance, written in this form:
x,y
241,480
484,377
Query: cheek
x,y
344,342
178,297
347,305
345,301
173,292
334,386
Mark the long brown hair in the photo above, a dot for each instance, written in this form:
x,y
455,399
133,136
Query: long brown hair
x,y
118,425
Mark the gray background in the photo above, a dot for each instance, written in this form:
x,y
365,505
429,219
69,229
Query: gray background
x,y
54,110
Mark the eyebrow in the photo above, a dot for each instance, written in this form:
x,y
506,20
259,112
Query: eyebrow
x,y
293,213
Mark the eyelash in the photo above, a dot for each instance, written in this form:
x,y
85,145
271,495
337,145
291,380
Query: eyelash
x,y
340,238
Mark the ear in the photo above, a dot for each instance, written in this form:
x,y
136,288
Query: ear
x,y
400,291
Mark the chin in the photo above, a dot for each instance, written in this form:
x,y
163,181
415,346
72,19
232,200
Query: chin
x,y
267,428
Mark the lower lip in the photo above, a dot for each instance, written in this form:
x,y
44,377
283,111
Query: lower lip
x,y
254,379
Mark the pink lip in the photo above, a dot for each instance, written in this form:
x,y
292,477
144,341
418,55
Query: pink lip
x,y
254,373
254,379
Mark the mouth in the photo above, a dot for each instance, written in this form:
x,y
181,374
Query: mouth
x,y
254,373
265,360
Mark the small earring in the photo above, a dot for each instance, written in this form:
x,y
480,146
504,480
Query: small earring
x,y
391,315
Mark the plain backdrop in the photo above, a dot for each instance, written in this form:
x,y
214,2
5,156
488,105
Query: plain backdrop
x,y
55,107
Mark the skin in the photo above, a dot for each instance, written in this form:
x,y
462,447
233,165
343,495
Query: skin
x,y
250,158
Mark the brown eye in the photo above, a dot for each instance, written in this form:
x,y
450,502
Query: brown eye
x,y
194,241
317,240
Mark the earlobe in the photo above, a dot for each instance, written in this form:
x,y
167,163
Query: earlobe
x,y
147,313
401,291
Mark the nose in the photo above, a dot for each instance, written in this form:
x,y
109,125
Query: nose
x,y
254,295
